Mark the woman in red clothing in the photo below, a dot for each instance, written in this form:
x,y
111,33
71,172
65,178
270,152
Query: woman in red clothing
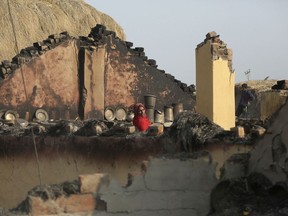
x,y
140,121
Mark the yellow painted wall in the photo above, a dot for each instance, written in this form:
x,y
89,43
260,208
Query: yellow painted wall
x,y
215,88
224,95
204,81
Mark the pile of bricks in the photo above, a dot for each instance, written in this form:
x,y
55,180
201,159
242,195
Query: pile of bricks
x,y
83,201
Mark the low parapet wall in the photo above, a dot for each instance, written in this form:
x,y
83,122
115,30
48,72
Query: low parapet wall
x,y
146,175
164,186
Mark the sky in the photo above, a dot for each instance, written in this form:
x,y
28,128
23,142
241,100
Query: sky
x,y
169,31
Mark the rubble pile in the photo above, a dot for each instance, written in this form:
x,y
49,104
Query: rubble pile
x,y
192,130
91,127
219,48
48,192
253,128
253,195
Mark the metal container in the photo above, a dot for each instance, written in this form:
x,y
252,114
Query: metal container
x,y
22,122
168,114
120,113
177,108
41,115
109,113
158,116
150,101
130,116
11,115
150,115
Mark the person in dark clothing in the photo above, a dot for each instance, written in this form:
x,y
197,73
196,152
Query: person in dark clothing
x,y
245,99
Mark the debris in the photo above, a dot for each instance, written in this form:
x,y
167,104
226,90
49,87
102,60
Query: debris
x,y
155,129
257,131
254,194
239,131
130,129
192,130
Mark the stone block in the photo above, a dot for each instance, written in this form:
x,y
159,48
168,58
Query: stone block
x,y
92,183
6,64
281,82
44,48
259,131
130,129
129,44
37,206
211,34
239,131
77,203
38,44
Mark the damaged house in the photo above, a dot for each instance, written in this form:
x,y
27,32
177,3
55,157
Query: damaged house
x,y
53,91
82,77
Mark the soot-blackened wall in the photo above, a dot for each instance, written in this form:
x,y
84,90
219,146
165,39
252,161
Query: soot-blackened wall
x,y
71,77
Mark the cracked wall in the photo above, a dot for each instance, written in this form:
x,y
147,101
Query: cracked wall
x,y
44,78
71,77
174,182
270,154
215,81
162,186
63,159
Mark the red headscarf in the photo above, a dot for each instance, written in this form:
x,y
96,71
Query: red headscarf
x,y
140,121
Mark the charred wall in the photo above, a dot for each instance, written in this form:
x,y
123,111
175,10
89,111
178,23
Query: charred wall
x,y
130,75
270,154
64,158
50,82
70,77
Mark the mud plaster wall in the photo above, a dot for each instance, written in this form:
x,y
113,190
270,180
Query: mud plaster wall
x,y
65,158
51,82
128,77
80,77
270,154
168,187
271,102
265,104
92,85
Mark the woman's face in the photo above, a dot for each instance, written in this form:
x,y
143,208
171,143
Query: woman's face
x,y
141,111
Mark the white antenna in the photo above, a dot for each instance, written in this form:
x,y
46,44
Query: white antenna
x,y
247,73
